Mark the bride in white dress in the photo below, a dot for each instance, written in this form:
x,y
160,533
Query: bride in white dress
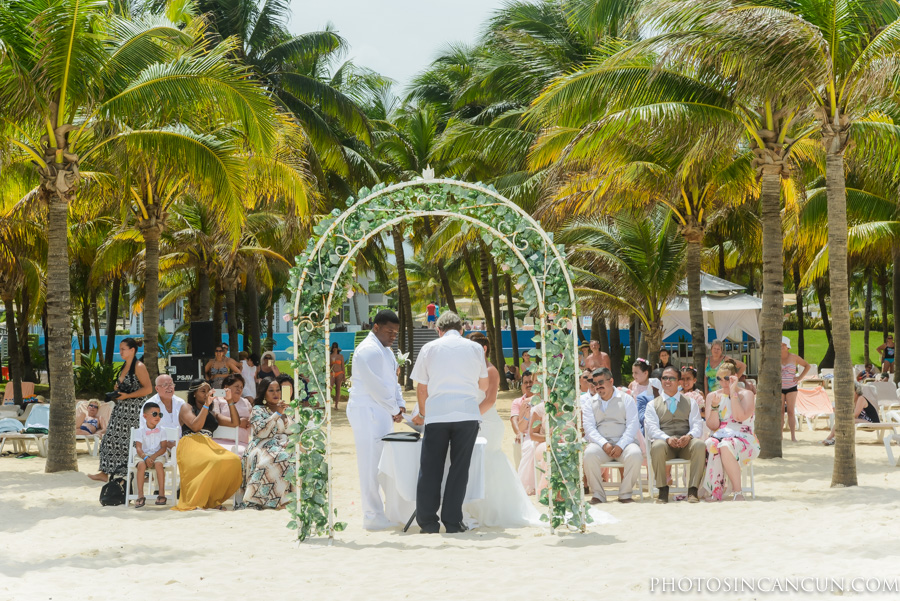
x,y
505,503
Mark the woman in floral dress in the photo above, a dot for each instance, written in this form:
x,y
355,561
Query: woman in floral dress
x,y
729,415
133,387
268,460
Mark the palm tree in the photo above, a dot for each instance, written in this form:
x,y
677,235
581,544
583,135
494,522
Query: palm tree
x,y
70,74
632,262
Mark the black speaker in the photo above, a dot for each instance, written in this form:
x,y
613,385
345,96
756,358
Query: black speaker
x,y
183,369
203,343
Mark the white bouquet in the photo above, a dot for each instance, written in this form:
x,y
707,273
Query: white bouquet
x,y
402,359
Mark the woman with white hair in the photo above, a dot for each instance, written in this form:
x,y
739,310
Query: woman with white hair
x,y
789,382
267,367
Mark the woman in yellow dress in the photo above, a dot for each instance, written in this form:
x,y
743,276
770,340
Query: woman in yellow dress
x,y
210,474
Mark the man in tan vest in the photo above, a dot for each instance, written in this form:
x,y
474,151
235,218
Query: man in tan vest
x,y
673,427
610,425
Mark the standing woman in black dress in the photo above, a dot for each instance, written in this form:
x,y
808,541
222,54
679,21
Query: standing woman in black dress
x,y
133,387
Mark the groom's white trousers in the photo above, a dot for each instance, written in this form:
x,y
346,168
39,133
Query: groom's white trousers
x,y
370,424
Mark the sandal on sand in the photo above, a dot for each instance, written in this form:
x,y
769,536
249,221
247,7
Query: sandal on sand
x,y
139,502
734,496
161,500
828,442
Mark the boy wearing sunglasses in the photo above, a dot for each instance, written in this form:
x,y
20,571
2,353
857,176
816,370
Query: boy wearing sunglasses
x,y
150,447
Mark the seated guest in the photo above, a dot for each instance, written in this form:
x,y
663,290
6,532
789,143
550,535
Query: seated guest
x,y
90,423
585,385
868,373
515,410
150,453
864,411
643,379
235,385
610,425
520,415
209,473
537,428
673,426
268,460
267,368
173,409
729,415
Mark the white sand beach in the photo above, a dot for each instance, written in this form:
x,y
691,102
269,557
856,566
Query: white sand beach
x,y
59,543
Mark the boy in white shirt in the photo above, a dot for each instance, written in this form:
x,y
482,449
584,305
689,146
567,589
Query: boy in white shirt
x,y
151,447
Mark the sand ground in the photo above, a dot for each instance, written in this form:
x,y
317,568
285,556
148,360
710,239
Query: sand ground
x,y
58,542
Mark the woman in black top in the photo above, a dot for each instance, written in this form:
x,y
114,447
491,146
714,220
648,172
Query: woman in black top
x,y
665,360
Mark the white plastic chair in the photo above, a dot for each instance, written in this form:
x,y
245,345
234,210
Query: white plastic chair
x,y
37,415
615,478
747,470
885,397
685,466
235,433
170,466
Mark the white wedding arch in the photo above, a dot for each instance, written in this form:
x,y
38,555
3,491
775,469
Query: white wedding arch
x,y
324,274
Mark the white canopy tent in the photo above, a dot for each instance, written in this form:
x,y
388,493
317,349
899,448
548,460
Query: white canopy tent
x,y
731,315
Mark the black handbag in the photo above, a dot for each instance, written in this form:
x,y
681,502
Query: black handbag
x,y
112,396
113,492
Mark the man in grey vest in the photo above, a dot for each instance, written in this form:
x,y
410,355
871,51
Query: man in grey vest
x,y
610,425
673,427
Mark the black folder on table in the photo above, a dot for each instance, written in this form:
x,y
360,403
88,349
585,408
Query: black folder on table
x,y
402,437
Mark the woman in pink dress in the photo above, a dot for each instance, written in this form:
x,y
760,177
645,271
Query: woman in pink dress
x,y
729,415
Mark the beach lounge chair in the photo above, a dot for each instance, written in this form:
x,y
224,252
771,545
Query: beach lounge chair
x,y
827,375
812,378
9,393
171,466
37,415
813,403
887,447
92,441
885,397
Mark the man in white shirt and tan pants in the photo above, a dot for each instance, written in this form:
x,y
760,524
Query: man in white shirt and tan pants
x,y
451,376
375,404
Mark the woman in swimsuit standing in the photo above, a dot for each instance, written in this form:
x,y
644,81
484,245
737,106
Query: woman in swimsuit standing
x,y
216,369
789,382
337,372
887,351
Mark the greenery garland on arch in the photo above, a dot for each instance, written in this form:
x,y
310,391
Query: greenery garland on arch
x,y
324,274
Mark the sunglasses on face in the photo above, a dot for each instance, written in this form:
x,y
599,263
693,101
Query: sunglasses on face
x,y
220,350
155,414
721,379
669,379
93,406
601,382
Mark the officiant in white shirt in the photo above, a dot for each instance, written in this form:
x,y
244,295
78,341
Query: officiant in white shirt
x,y
451,376
375,404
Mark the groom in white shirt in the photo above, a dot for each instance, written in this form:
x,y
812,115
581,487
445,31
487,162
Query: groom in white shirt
x,y
375,404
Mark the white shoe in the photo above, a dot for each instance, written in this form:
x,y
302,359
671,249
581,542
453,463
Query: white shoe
x,y
378,523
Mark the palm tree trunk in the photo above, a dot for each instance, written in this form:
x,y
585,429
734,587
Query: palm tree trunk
x,y
644,344
769,405
489,317
513,332
231,310
15,353
442,272
22,314
61,440
218,309
252,312
112,315
882,285
603,335
654,340
828,359
85,324
632,337
801,326
616,352
867,317
203,293
844,473
405,302
270,321
695,300
895,255
500,360
96,319
151,235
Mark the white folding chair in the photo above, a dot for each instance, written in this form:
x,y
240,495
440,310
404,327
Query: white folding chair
x,y
685,466
170,466
233,433
747,470
615,478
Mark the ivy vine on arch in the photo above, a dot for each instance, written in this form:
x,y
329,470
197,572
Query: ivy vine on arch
x,y
323,276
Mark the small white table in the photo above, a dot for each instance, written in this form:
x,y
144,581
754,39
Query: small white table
x,y
398,474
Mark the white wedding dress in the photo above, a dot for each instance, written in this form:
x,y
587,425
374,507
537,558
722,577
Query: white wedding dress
x,y
505,504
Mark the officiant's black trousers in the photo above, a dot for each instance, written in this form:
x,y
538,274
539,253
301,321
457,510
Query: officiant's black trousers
x,y
459,438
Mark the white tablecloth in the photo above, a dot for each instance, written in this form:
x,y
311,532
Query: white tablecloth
x,y
398,474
